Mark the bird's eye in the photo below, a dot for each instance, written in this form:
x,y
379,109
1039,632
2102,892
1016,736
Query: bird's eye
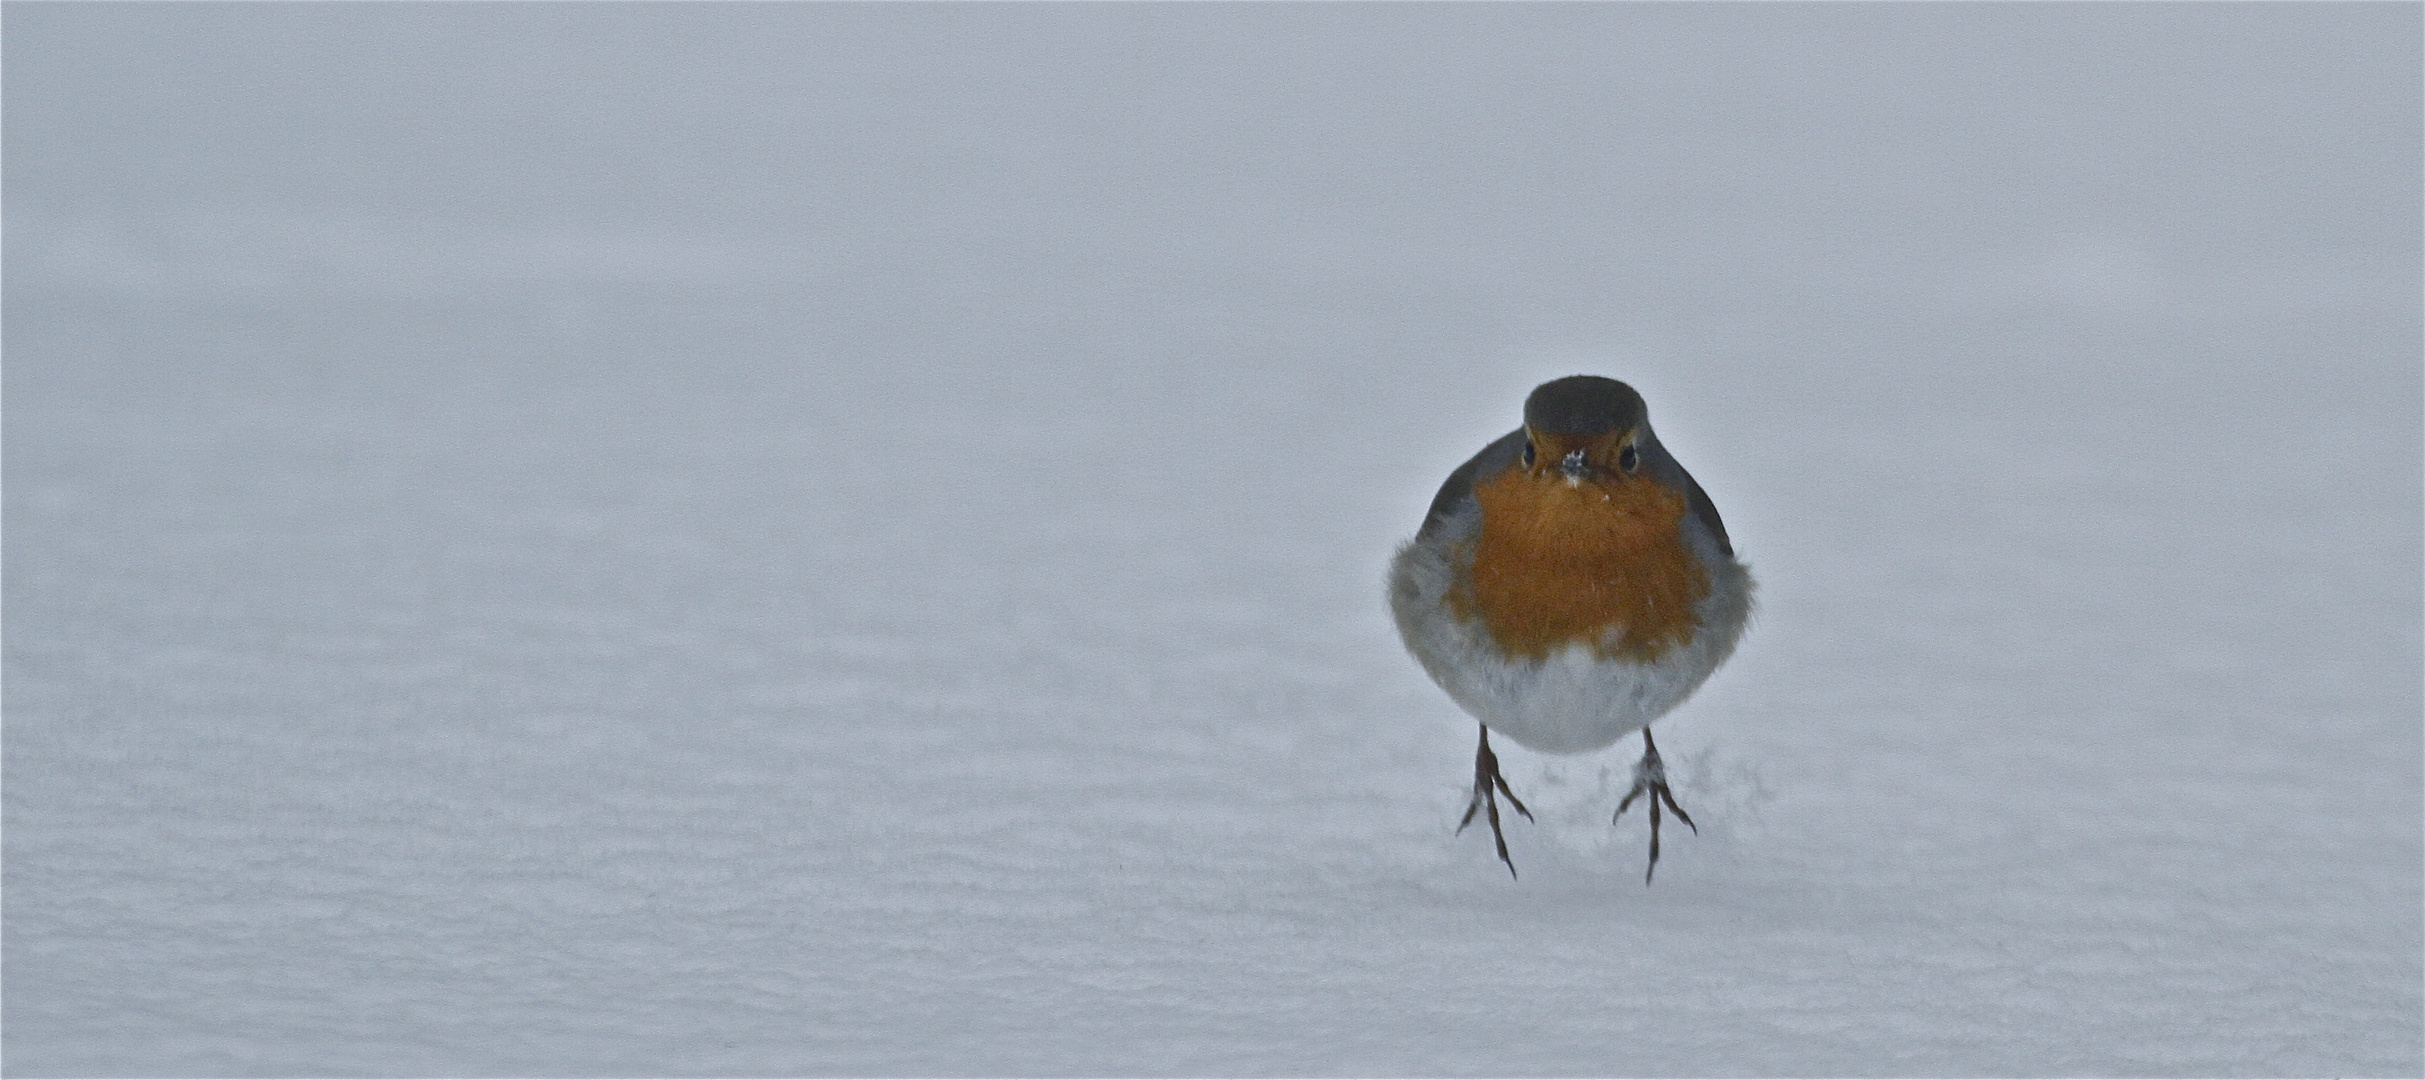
x,y
1528,455
1629,458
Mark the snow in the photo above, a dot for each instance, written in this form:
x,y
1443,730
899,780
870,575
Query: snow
x,y
768,540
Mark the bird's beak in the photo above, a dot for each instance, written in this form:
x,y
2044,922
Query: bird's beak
x,y
1573,466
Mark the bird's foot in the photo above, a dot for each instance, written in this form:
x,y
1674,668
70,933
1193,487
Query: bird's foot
x,y
1650,778
1488,786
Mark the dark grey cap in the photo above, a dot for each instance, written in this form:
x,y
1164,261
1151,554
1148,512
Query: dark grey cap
x,y
1583,405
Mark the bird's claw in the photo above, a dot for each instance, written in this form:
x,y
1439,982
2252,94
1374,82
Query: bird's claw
x,y
1488,786
1650,778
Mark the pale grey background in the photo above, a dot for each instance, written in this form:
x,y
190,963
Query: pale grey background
x,y
847,539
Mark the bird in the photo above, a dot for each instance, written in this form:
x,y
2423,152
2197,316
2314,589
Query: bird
x,y
1570,584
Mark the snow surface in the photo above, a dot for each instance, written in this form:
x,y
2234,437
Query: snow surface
x,y
584,540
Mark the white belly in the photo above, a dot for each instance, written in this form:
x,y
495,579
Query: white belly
x,y
1571,701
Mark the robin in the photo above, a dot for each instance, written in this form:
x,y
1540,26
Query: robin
x,y
1570,585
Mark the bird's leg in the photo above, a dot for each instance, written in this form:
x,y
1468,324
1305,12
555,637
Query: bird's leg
x,y
1650,778
1488,786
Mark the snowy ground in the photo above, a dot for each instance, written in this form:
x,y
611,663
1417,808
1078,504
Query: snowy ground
x,y
847,540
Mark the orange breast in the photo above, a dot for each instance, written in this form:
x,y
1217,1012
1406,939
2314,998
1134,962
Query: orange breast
x,y
1600,563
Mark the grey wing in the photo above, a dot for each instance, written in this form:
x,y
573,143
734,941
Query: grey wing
x,y
1707,511
1458,490
1665,466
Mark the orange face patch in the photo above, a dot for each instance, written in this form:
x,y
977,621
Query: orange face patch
x,y
1601,562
